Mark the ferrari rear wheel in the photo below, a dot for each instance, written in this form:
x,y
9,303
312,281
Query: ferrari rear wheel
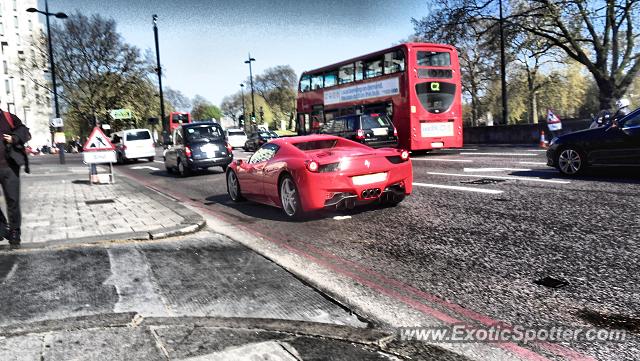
x,y
233,186
290,198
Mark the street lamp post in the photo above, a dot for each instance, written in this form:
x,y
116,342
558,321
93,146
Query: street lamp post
x,y
503,71
243,111
47,14
159,71
253,101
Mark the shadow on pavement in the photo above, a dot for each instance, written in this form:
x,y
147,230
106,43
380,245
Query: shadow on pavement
x,y
255,210
630,175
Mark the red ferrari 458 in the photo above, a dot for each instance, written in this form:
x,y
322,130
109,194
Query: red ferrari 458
x,y
309,173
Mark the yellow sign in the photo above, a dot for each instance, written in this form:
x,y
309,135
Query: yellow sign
x,y
435,86
59,137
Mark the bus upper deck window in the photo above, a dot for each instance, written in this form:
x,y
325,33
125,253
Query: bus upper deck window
x,y
305,83
373,68
393,62
330,78
316,82
433,58
359,71
345,74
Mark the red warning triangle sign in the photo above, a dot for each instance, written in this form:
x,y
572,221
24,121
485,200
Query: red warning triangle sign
x,y
98,141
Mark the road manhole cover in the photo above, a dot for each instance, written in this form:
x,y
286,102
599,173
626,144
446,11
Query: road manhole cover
x,y
98,201
484,181
551,282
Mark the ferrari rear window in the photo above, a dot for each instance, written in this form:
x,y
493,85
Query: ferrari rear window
x,y
317,144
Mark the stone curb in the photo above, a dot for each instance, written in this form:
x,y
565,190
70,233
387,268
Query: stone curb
x,y
192,222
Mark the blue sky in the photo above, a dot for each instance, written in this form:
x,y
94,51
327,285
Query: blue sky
x,y
203,43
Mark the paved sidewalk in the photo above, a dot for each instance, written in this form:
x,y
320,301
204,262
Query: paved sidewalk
x,y
59,206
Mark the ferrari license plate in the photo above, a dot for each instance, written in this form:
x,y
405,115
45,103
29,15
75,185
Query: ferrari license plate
x,y
369,178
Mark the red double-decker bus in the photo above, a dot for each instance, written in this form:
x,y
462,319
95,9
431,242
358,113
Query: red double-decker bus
x,y
416,84
176,119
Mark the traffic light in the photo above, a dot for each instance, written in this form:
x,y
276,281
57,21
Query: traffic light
x,y
241,120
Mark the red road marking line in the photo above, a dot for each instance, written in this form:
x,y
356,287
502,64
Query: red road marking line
x,y
559,350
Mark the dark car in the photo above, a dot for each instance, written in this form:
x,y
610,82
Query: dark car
x,y
197,146
374,130
617,144
257,139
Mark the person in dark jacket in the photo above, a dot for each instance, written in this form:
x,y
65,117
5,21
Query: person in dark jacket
x,y
13,136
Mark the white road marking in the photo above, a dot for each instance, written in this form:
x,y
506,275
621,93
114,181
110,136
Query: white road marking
x,y
341,218
505,154
159,161
497,170
144,167
459,188
445,160
526,179
533,163
536,150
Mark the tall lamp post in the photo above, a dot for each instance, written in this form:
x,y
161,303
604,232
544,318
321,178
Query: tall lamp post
x,y
253,101
243,111
159,71
47,14
503,71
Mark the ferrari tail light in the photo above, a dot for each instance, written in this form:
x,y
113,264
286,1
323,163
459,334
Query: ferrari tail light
x,y
187,151
360,134
312,166
395,132
404,155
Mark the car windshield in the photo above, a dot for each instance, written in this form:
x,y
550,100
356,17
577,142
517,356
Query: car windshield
x,y
265,135
236,133
203,132
375,121
317,144
140,135
274,134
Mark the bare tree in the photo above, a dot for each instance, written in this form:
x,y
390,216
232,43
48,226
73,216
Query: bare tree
x,y
178,100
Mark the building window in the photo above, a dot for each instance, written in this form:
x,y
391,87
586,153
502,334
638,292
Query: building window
x,y
5,67
7,86
15,5
30,25
23,90
1,28
15,21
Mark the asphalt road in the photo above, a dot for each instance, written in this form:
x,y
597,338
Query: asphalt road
x,y
481,226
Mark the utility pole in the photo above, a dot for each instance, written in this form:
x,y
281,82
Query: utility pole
x,y
159,71
253,101
47,14
503,74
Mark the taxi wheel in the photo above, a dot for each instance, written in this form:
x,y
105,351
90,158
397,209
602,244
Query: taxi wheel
x,y
182,170
570,161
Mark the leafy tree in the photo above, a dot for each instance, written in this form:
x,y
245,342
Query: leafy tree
x,y
277,86
203,109
177,100
98,71
601,35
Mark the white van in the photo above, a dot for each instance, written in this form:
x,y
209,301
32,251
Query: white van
x,y
133,144
236,137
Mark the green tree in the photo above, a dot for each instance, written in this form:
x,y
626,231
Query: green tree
x,y
203,109
277,87
601,35
98,72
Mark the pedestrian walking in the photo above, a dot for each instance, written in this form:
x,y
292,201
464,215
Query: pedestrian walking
x,y
12,156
